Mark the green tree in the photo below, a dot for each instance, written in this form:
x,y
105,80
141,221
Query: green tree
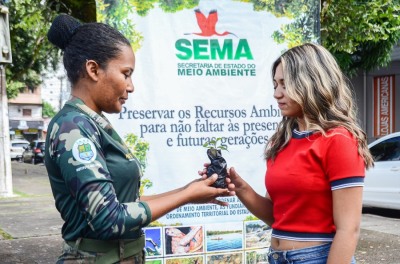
x,y
29,22
116,14
83,10
31,52
360,33
48,110
303,27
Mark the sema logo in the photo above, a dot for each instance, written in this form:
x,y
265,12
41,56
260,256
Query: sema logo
x,y
208,48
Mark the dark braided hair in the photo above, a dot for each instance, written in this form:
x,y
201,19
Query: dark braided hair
x,y
84,41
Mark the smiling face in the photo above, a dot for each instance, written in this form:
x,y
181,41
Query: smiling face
x,y
114,83
287,106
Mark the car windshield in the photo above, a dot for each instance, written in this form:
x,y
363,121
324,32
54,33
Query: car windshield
x,y
387,150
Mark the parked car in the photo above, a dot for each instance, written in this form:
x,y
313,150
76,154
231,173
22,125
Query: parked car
x,y
17,147
34,153
382,182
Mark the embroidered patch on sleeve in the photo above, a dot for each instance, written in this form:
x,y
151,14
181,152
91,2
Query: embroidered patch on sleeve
x,y
84,150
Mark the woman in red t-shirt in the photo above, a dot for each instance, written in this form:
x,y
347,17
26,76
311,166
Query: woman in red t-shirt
x,y
316,163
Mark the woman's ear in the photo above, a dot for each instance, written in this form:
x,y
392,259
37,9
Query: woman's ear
x,y
92,69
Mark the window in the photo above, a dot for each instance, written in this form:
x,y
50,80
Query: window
x,y
387,150
26,112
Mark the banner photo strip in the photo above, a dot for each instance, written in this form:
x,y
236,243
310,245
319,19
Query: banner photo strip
x,y
203,72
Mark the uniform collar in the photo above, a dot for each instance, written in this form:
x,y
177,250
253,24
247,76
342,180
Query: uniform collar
x,y
100,119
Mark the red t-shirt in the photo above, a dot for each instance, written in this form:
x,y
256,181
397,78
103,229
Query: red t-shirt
x,y
301,179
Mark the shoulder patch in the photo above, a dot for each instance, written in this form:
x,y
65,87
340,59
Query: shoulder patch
x,y
84,150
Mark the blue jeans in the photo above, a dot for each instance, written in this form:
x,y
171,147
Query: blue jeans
x,y
309,255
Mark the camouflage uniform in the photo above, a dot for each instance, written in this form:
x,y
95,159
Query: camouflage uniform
x,y
94,177
72,256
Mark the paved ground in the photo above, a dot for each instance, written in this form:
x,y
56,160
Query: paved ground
x,y
30,225
380,240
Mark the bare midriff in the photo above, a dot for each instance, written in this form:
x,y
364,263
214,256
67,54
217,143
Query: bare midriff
x,y
284,244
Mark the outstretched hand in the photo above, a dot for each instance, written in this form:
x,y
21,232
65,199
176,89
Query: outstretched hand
x,y
231,181
234,181
201,191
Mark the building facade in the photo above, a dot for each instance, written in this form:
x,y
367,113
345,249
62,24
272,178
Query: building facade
x,y
55,87
25,115
378,98
25,111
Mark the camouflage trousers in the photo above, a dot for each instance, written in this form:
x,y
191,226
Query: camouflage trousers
x,y
70,255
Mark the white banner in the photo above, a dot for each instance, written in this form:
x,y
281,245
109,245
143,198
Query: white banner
x,y
204,72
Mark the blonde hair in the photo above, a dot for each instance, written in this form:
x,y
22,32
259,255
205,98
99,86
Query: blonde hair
x,y
314,80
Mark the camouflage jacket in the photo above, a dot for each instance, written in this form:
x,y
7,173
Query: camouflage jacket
x,y
94,177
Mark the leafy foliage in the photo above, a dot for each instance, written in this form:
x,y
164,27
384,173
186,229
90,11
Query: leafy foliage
x,y
215,144
48,110
143,7
359,33
363,35
31,52
116,14
139,148
29,21
169,6
297,32
302,28
83,10
14,87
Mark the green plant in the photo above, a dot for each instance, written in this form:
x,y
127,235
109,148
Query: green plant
x,y
139,148
48,110
218,164
214,145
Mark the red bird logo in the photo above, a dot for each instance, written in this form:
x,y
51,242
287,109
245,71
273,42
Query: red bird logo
x,y
207,24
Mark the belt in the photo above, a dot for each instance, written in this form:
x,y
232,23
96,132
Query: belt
x,y
114,250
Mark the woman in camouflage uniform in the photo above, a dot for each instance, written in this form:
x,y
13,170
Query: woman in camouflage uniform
x,y
94,177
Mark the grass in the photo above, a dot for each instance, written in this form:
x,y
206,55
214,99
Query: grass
x,y
5,235
21,194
